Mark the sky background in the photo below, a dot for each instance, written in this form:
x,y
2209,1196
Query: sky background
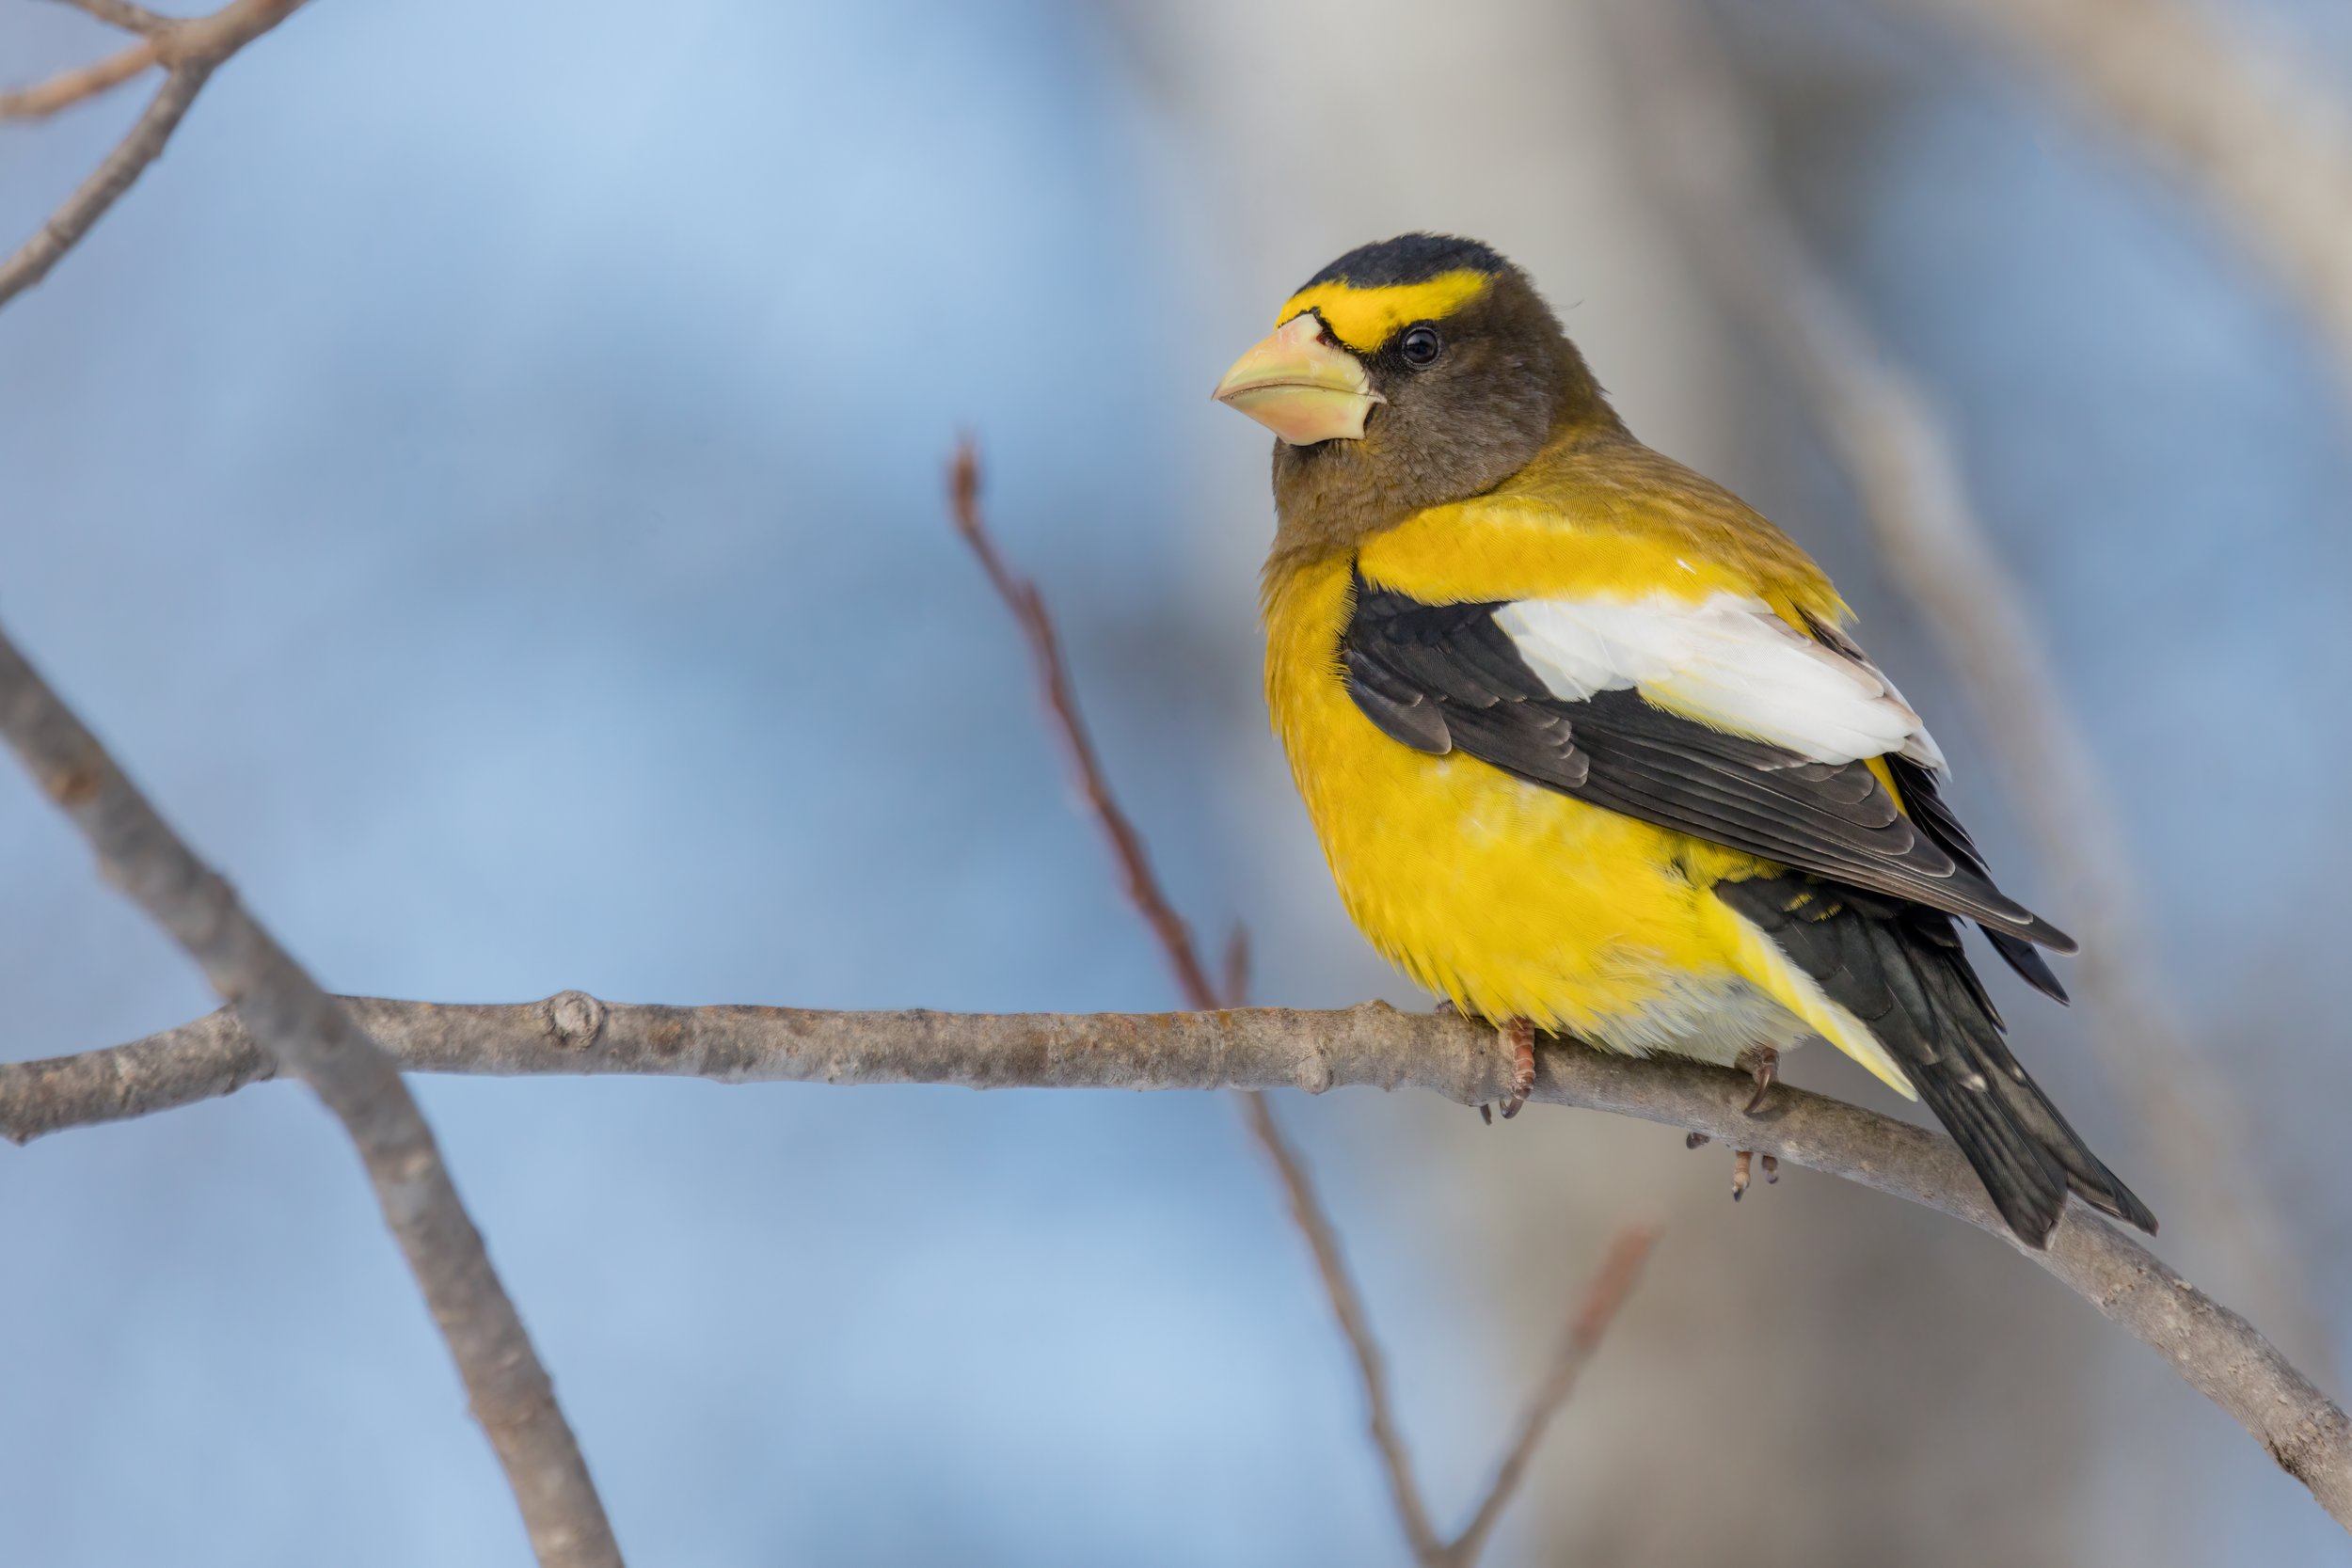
x,y
486,482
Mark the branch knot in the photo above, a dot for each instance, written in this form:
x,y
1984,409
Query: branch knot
x,y
575,1019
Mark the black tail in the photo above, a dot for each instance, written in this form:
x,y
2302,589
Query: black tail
x,y
1900,967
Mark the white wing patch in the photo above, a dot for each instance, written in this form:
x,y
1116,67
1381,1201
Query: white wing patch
x,y
1726,661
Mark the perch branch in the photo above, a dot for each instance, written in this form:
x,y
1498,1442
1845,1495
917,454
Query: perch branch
x,y
2213,1349
282,1012
1884,431
1142,886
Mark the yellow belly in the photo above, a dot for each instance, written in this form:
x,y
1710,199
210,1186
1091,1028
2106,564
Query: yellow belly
x,y
1511,899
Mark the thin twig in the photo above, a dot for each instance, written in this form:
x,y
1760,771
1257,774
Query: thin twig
x,y
1313,1220
1884,431
1027,606
1355,1323
1142,888
1580,1336
314,1037
129,18
68,87
284,1014
2213,1349
193,49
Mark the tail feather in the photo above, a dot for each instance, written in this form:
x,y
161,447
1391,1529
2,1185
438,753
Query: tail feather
x,y
1900,969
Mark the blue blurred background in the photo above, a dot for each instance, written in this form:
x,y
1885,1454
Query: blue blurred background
x,y
486,482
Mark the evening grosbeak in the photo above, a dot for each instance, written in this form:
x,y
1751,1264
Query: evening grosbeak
x,y
1585,740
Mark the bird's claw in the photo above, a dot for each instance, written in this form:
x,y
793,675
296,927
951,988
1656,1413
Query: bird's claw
x,y
1740,1165
1763,1063
1521,1034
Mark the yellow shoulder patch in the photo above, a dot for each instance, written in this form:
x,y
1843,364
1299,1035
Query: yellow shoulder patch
x,y
1363,319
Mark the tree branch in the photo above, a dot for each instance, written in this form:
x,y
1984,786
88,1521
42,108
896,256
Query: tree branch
x,y
2213,1349
1580,1336
121,13
1141,885
1884,431
68,87
281,1009
192,49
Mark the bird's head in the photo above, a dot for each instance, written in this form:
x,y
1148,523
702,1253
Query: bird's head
x,y
1419,370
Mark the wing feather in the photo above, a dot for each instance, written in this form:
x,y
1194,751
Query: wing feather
x,y
1726,723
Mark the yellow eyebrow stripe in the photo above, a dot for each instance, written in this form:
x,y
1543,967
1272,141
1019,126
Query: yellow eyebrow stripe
x,y
1363,319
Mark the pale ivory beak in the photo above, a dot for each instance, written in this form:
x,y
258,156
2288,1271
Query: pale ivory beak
x,y
1300,387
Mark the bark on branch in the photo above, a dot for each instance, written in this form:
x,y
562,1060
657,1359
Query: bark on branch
x,y
2216,1352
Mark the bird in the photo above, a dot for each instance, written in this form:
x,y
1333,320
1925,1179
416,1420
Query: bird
x,y
1588,743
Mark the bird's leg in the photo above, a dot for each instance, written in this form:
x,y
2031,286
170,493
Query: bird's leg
x,y
1521,1034
1762,1063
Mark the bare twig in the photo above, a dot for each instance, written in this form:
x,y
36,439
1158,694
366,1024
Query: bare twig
x,y
1021,597
192,50
1580,1336
129,18
286,1019
310,1034
1884,433
1143,889
2265,141
1355,1325
2216,1352
68,87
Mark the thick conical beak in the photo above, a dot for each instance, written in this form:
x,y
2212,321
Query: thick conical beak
x,y
1301,387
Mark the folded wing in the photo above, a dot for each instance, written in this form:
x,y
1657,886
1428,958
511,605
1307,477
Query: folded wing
x,y
1715,718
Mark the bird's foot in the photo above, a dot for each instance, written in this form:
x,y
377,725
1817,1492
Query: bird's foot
x,y
1521,1034
1740,1163
1762,1063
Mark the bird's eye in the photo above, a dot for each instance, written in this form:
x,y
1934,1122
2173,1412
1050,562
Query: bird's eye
x,y
1421,345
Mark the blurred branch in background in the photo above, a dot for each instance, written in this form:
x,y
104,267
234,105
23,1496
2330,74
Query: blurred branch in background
x,y
2214,1349
68,87
2263,142
190,50
1881,429
289,1020
1589,1320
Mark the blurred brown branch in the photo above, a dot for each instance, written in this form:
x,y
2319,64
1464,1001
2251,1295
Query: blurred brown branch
x,y
2216,1352
68,87
1883,429
191,50
1142,886
2265,143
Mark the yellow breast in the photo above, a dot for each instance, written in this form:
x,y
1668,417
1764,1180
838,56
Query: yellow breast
x,y
1511,899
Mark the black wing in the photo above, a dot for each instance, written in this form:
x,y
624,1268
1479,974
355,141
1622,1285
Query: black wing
x,y
1441,677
